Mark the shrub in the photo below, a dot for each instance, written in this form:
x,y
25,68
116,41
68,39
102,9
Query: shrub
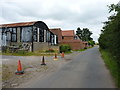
x,y
85,47
50,50
65,48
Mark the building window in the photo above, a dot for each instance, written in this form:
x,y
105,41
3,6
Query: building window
x,y
47,36
75,37
3,37
62,37
41,35
45,32
52,39
13,34
8,34
26,34
56,39
35,35
3,34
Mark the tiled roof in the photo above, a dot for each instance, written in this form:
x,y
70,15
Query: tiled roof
x,y
68,33
56,30
18,24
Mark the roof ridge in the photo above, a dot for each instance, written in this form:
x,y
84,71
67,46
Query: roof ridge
x,y
18,23
67,30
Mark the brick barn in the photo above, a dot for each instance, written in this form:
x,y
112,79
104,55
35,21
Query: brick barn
x,y
68,37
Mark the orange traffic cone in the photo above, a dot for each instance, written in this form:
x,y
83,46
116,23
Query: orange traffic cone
x,y
19,69
55,58
43,61
62,54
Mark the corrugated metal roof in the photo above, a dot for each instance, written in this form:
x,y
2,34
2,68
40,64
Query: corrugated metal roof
x,y
18,24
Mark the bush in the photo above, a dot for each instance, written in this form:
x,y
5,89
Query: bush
x,y
50,50
85,47
65,48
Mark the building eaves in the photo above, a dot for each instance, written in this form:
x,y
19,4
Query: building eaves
x,y
18,24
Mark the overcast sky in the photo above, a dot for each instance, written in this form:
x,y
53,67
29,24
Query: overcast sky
x,y
64,14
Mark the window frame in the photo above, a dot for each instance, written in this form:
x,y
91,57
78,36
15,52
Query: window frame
x,y
35,33
21,31
14,33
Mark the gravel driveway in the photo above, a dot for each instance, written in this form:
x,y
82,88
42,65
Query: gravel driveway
x,y
31,66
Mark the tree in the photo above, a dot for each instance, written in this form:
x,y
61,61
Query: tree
x,y
109,38
91,42
79,33
84,35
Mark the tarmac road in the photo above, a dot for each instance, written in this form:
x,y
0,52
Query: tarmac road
x,y
86,70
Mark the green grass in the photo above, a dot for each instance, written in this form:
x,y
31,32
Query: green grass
x,y
23,53
83,49
111,65
69,52
80,50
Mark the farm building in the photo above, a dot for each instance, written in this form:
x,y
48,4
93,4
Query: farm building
x,y
68,37
32,35
58,32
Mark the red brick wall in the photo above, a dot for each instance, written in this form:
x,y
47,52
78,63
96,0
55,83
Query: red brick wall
x,y
58,32
74,45
68,38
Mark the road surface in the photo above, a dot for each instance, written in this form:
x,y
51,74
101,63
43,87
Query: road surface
x,y
86,70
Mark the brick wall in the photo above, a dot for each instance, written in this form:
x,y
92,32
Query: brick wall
x,y
75,45
42,46
68,38
58,32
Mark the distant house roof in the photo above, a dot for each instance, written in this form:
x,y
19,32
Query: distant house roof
x,y
68,33
55,30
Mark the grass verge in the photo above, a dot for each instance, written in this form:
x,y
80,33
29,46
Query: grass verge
x,y
112,65
69,52
83,49
25,53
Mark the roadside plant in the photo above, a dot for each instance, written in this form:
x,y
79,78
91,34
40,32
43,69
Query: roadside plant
x,y
65,48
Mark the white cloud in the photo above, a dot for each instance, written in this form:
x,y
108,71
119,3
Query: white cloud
x,y
65,14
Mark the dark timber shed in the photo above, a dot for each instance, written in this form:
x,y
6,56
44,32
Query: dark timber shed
x,y
35,33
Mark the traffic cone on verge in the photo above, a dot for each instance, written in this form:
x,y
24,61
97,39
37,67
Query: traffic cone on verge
x,y
19,70
62,54
55,58
43,61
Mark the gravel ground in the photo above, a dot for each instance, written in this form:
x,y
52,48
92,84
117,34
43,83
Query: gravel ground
x,y
32,68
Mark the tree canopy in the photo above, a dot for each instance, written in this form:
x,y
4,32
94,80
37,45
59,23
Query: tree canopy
x,y
110,33
84,34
